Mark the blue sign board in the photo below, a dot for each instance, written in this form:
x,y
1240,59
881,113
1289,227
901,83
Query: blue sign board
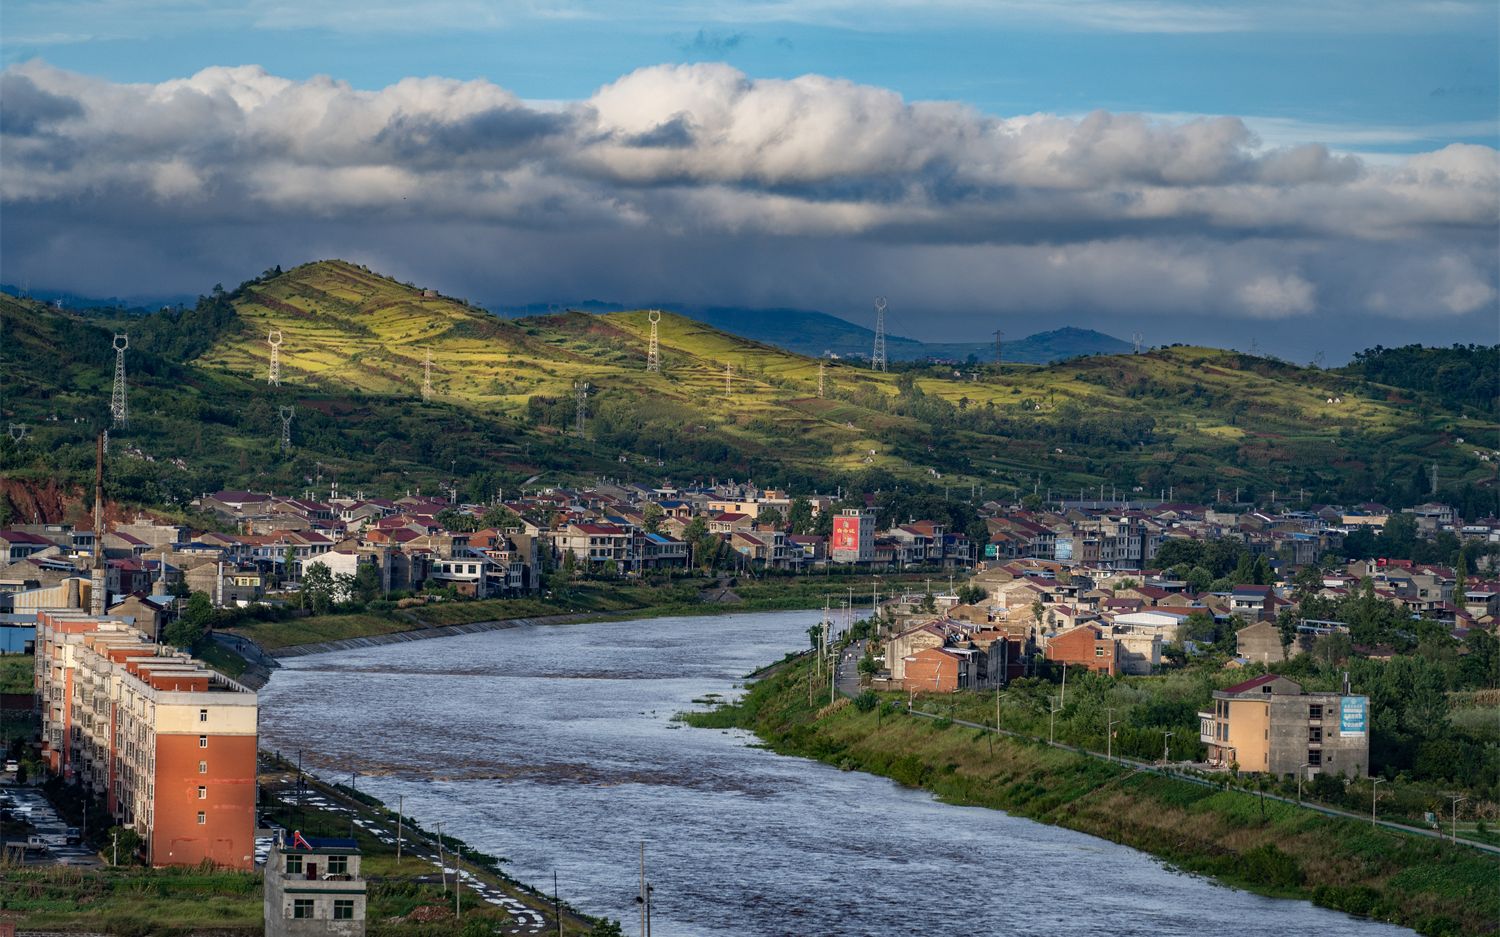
x,y
991,550
1353,715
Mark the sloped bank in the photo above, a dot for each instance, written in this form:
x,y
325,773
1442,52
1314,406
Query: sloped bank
x,y
1263,846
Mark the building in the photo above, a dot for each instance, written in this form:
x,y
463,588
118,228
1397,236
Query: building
x,y
853,536
168,744
941,669
1085,646
1268,725
314,887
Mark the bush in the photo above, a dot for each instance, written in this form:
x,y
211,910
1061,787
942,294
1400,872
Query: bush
x,y
1267,865
866,701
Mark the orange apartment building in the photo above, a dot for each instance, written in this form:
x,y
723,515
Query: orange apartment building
x,y
168,744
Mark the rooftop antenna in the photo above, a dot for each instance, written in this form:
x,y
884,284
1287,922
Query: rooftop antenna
x,y
96,571
273,373
653,351
286,428
728,380
1136,339
427,375
821,386
877,358
582,391
999,347
117,402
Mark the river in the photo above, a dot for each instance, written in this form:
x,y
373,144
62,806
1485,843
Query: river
x,y
554,747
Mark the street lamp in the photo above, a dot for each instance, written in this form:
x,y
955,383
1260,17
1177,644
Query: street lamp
x,y
1109,739
1165,751
1456,802
1301,773
1373,791
1052,723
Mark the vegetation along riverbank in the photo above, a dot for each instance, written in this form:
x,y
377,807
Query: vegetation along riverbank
x,y
1250,842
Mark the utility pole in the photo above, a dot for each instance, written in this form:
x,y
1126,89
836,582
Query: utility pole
x,y
273,372
442,863
1301,773
1456,802
642,897
1052,723
653,350
1109,734
400,814
1374,787
1165,751
458,885
118,403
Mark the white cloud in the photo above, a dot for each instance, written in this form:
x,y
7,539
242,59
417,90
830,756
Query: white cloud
x,y
828,178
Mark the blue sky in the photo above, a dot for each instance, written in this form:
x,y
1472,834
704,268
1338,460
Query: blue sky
x,y
1309,176
1372,77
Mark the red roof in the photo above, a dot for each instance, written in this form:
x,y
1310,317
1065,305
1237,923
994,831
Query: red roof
x,y
1252,683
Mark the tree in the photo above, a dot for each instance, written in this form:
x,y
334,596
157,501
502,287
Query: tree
x,y
1038,610
195,619
317,588
456,520
1286,623
288,562
768,518
498,516
799,517
366,584
652,516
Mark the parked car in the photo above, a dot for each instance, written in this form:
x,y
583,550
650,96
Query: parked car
x,y
72,837
12,765
36,841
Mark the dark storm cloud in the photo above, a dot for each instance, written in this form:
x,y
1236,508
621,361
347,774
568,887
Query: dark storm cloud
x,y
25,108
699,183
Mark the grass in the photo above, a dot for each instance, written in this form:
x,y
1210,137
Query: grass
x,y
1271,848
134,901
16,673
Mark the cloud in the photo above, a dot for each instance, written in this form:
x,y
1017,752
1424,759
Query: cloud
x,y
699,182
714,43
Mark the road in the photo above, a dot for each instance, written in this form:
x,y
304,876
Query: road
x,y
51,827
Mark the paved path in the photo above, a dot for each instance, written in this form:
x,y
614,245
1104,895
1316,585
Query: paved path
x,y
530,915
49,826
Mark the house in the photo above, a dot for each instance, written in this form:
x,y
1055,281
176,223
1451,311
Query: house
x,y
596,544
17,545
1269,725
313,886
1261,643
940,669
1085,646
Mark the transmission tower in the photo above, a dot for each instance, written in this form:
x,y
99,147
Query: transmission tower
x,y
286,429
582,393
427,375
1434,478
728,381
999,347
117,404
1136,340
1317,361
877,358
653,351
273,373
17,432
820,378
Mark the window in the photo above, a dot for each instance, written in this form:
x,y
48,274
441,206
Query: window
x,y
202,818
202,792
1314,757
1315,712
202,741
202,715
202,767
338,865
343,909
1098,652
293,865
1315,734
302,907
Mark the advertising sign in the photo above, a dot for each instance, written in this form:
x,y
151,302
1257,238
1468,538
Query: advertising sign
x,y
992,550
846,533
1353,713
1062,549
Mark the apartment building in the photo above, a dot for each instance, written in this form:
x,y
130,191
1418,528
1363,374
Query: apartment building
x,y
168,744
1269,725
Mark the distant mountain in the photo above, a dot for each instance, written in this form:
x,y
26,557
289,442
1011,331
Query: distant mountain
x,y
807,332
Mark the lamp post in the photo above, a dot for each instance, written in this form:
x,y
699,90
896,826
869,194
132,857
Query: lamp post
x,y
1165,750
1052,723
1456,802
1301,773
1109,739
1374,790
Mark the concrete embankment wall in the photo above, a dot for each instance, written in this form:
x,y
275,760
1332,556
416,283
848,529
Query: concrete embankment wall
x,y
422,634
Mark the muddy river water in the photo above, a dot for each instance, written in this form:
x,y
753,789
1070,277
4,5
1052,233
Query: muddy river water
x,y
554,747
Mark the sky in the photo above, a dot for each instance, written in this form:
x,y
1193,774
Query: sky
x,y
1305,177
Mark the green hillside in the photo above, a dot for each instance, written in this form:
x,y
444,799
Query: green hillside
x,y
502,408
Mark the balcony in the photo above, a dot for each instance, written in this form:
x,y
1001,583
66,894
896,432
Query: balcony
x,y
1206,726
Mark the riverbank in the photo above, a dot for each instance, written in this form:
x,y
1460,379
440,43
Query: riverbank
x,y
586,601
1235,837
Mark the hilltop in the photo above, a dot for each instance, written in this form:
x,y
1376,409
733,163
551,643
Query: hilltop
x,y
503,406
